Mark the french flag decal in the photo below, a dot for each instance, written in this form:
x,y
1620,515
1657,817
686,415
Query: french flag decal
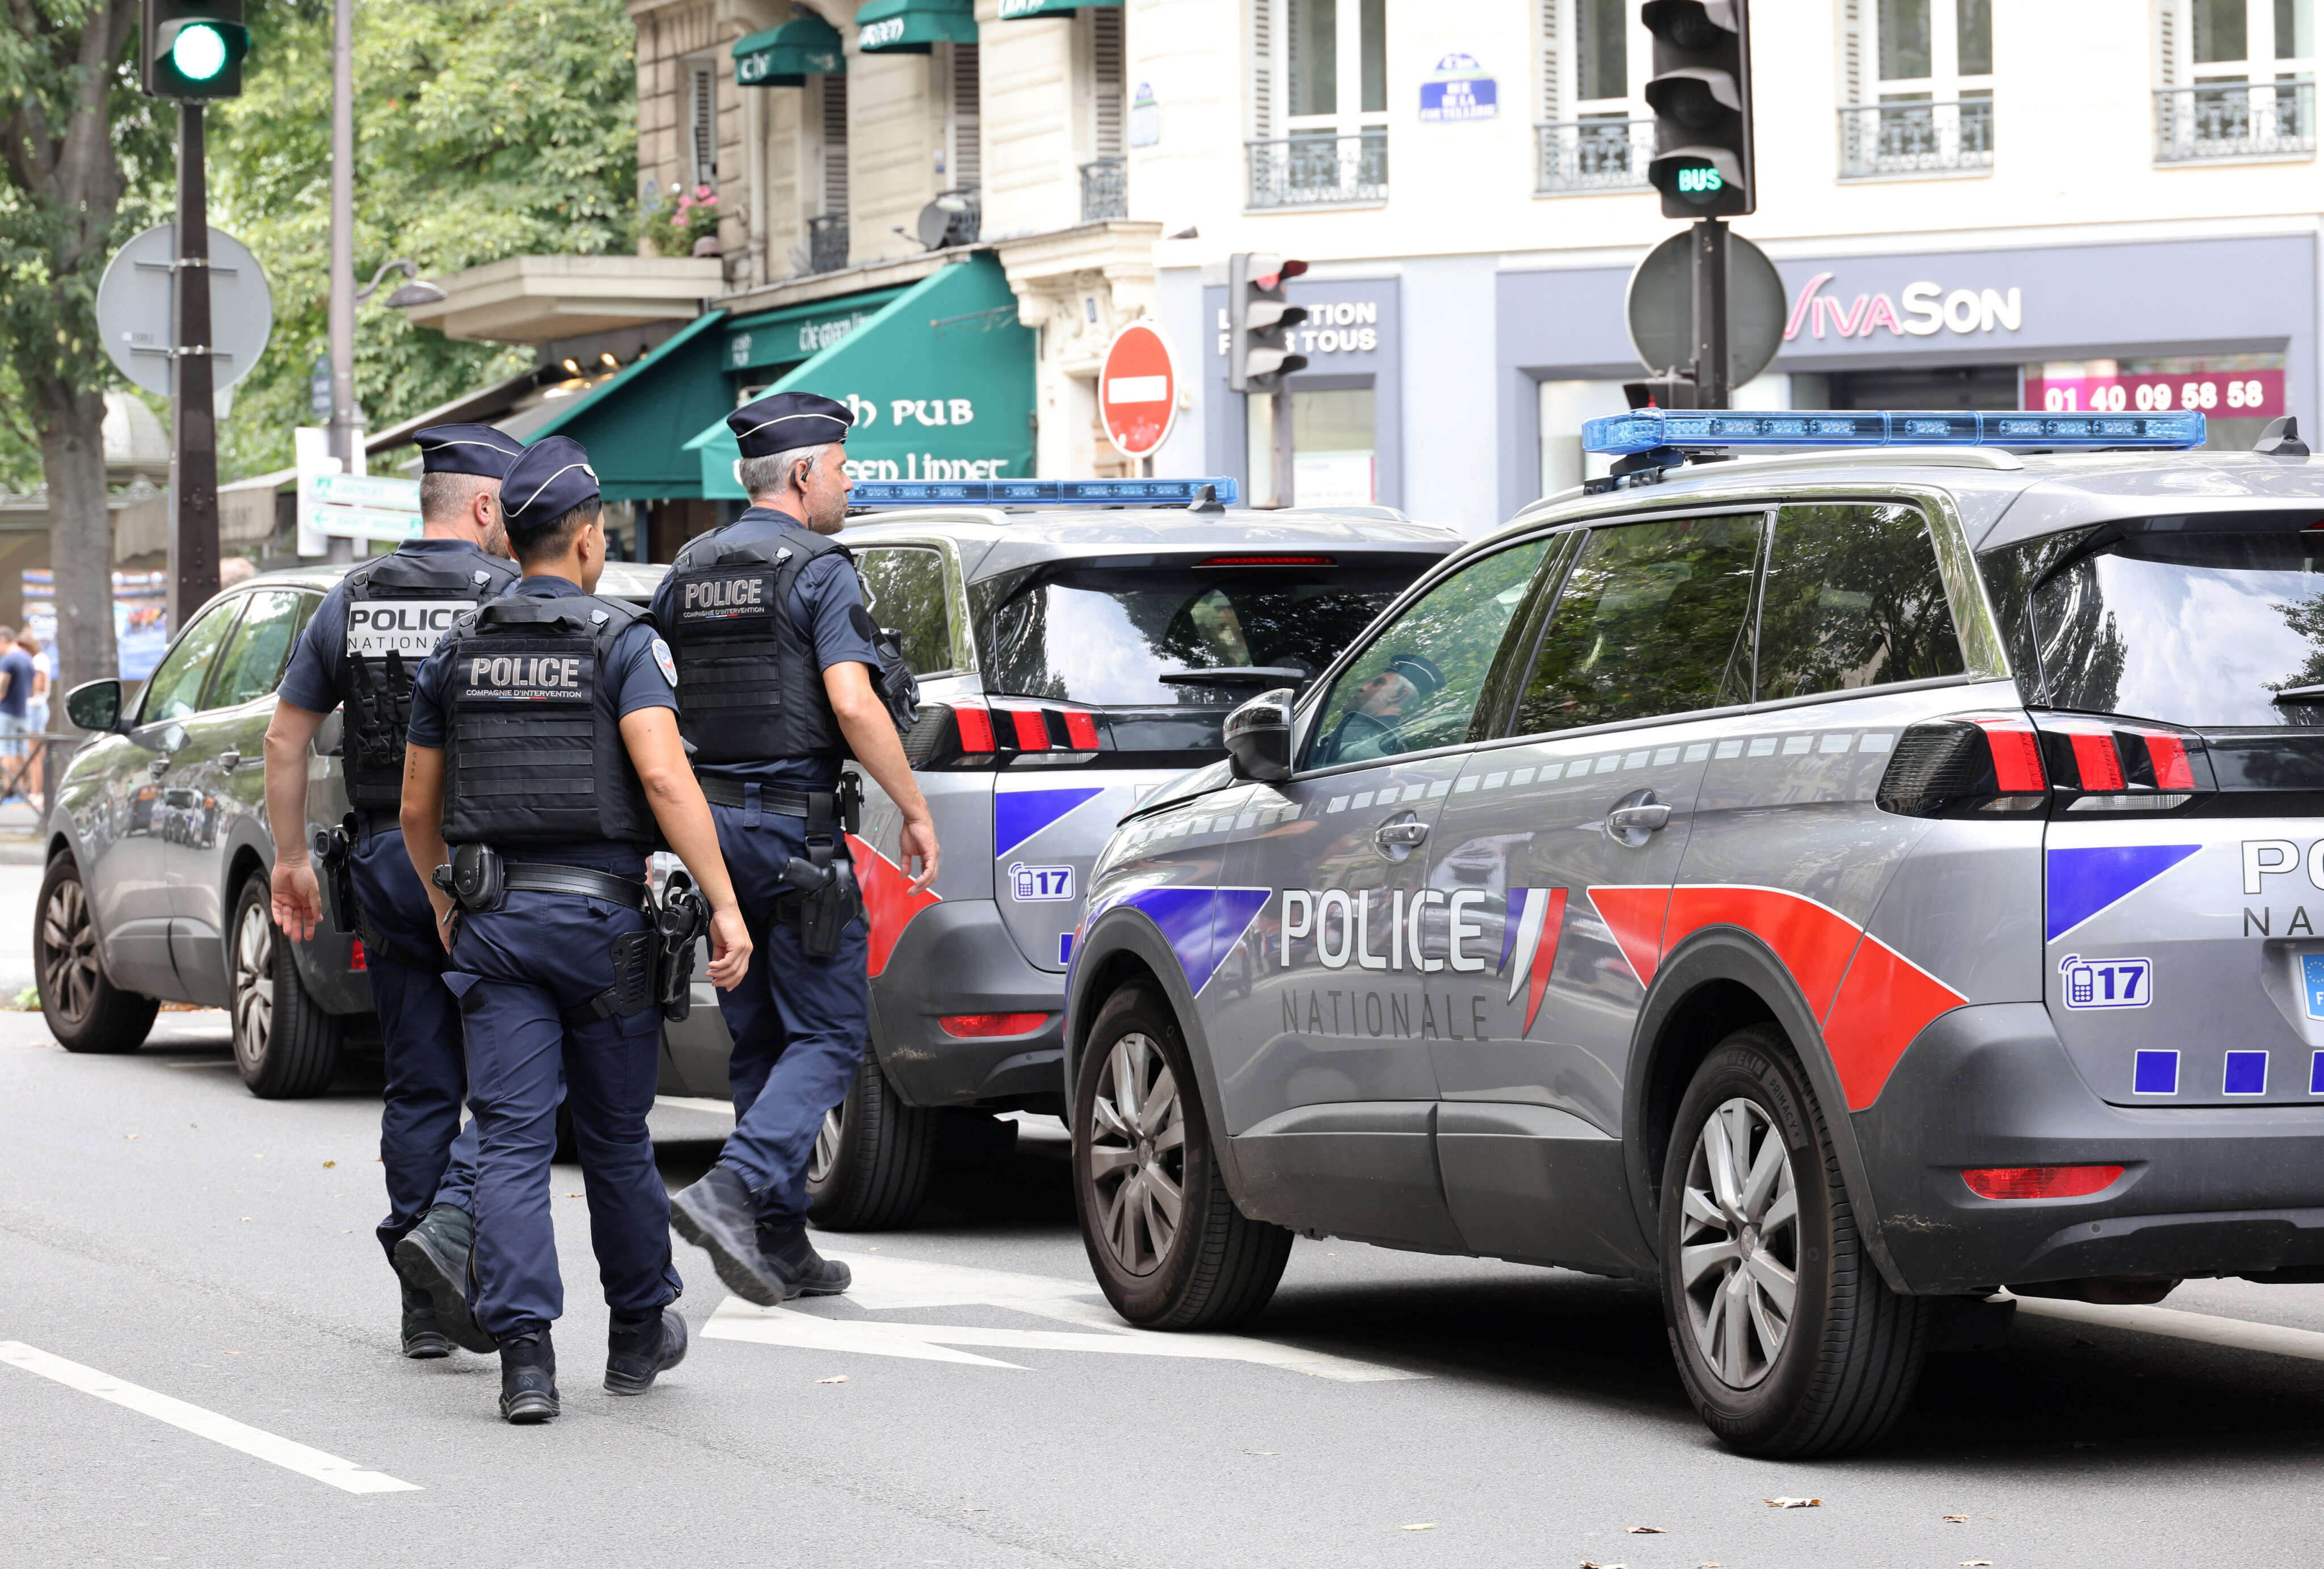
x,y
1534,917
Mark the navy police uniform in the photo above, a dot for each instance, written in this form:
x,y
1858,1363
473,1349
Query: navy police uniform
x,y
525,699
755,613
360,652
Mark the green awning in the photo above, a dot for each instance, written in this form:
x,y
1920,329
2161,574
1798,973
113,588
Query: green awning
x,y
799,332
940,380
1025,10
912,26
635,424
785,57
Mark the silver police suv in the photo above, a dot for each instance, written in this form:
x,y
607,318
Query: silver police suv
x,y
1835,885
1072,659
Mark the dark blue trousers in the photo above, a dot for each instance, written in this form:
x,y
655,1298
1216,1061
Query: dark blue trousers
x,y
799,1024
428,1157
515,971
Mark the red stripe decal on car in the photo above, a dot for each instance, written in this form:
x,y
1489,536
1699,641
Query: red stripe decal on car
x,y
1545,956
889,902
1813,941
1634,917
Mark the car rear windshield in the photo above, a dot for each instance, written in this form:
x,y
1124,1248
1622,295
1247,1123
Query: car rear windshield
x,y
1105,635
2206,628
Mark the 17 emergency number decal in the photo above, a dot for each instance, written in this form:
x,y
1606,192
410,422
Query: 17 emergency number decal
x,y
2107,983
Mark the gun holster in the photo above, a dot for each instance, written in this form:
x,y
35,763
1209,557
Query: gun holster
x,y
333,850
679,922
822,896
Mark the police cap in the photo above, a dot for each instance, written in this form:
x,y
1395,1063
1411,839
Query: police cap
x,y
467,449
1421,670
785,420
548,479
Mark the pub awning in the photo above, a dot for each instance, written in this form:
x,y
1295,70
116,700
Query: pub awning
x,y
785,57
799,332
1026,10
940,380
635,423
913,26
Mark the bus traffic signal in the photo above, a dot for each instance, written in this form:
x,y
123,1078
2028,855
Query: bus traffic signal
x,y
1700,93
1259,320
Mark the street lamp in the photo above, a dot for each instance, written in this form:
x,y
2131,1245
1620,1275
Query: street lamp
x,y
417,292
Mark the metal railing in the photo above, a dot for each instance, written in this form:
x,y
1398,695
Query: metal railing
x,y
1922,137
1320,170
1105,190
2266,119
1593,154
826,243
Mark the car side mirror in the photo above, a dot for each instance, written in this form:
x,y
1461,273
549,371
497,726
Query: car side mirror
x,y
95,704
1259,737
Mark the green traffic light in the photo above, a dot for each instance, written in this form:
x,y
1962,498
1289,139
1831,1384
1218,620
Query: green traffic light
x,y
1699,183
198,53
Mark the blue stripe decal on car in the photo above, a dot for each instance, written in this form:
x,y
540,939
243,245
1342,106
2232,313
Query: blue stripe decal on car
x,y
1019,815
2082,883
1202,925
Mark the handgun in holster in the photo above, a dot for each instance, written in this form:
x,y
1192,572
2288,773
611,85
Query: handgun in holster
x,y
333,851
824,896
679,922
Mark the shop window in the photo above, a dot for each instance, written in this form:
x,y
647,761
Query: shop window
x,y
1918,87
2238,79
1335,461
1597,131
2237,395
1319,96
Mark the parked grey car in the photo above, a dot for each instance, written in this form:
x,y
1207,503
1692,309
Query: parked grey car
x,y
1833,886
159,854
1071,660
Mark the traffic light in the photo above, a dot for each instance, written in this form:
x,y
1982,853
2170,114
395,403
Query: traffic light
x,y
1259,320
1700,93
193,49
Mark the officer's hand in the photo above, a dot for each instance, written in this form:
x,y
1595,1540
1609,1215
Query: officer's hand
x,y
730,948
298,901
920,839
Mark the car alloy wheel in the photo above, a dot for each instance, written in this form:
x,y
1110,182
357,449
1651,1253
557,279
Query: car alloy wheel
x,y
826,1154
1137,1154
68,969
1740,1255
254,983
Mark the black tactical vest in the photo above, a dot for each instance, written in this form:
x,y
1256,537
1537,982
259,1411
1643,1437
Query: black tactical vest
x,y
399,607
534,755
749,687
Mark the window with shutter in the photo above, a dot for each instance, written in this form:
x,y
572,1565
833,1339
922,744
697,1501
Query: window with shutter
x,y
2237,79
1319,96
702,122
1596,132
1106,82
966,166
1919,80
835,143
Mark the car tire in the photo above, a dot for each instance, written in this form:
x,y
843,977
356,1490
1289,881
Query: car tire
x,y
1754,1211
84,1009
1212,1266
285,1045
873,1158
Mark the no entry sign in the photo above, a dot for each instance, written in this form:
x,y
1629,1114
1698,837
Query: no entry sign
x,y
1138,389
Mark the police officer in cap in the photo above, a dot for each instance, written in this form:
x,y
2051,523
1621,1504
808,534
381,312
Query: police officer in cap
x,y
544,748
360,652
783,676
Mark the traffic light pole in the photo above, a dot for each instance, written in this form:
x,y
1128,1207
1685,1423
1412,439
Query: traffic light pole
x,y
1279,407
1710,358
194,510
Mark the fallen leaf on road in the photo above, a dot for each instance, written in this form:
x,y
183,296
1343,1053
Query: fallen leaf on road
x,y
835,1379
1424,1526
1593,1563
1269,1454
1957,1519
975,1510
246,1217
129,1135
328,1164
1792,1503
572,1195
1977,1564
1647,1531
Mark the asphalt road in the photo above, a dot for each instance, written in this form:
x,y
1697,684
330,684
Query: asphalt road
x,y
162,1229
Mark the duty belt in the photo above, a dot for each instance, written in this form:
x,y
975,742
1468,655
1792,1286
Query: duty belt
x,y
783,803
546,877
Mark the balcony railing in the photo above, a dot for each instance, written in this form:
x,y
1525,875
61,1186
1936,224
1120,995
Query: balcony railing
x,y
2268,119
826,243
1105,190
1592,155
1922,137
1320,170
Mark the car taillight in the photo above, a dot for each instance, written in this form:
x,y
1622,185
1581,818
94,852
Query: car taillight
x,y
1049,728
965,733
1981,764
974,1025
2040,1181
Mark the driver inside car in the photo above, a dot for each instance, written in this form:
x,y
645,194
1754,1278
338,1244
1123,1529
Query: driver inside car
x,y
1375,718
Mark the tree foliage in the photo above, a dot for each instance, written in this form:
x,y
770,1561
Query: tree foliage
x,y
484,129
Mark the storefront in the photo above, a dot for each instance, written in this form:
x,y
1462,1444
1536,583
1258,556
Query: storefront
x,y
1346,406
2228,326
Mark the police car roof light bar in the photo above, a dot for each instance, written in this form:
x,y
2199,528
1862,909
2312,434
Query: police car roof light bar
x,y
1035,493
1692,429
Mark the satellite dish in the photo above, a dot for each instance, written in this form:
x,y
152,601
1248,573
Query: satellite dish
x,y
934,223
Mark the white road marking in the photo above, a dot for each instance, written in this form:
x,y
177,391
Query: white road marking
x,y
884,1284
344,1474
2236,1333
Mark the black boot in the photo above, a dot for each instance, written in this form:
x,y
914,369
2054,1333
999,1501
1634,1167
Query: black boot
x,y
434,1256
528,1376
424,1339
636,1349
805,1272
718,1215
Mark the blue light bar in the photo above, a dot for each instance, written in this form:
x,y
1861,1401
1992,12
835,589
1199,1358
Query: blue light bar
x,y
1036,492
1644,429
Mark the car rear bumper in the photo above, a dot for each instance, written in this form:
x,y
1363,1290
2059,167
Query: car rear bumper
x,y
957,958
2205,1190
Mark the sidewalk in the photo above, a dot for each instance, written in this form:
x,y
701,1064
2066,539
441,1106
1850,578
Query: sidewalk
x,y
20,835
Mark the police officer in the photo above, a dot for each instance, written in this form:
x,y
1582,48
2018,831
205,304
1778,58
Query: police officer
x,y
545,749
780,680
360,652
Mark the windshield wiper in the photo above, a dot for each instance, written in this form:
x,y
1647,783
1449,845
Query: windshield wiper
x,y
1236,676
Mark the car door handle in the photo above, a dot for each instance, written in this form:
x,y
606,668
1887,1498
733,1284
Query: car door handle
x,y
1401,835
1648,817
229,760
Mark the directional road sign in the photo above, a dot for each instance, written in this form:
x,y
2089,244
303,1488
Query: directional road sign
x,y
1661,307
1138,389
136,309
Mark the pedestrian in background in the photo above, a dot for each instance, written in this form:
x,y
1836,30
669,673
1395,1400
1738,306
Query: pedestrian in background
x,y
36,717
16,680
780,682
360,652
544,752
